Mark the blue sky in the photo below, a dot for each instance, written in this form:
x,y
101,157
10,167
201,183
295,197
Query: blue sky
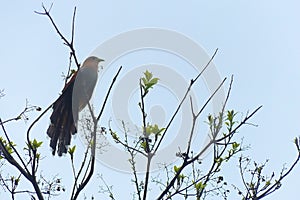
x,y
258,42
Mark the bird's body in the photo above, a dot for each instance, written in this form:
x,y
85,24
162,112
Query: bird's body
x,y
75,96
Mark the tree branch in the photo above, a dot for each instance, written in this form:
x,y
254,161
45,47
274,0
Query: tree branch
x,y
183,99
66,42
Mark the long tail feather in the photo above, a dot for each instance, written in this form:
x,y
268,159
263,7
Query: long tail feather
x,y
62,125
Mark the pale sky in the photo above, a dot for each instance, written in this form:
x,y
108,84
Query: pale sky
x,y
258,43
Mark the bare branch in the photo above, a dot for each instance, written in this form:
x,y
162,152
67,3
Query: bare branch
x,y
282,176
183,99
107,94
25,172
66,42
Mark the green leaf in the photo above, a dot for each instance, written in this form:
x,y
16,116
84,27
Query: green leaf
x,y
148,75
210,119
199,186
144,145
148,130
71,150
73,71
149,85
235,145
35,144
219,160
148,82
114,135
144,81
154,81
176,169
155,128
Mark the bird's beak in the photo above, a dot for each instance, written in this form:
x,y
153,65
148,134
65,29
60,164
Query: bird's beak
x,y
100,60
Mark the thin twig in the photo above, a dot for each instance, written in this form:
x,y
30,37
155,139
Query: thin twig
x,y
183,99
73,27
107,94
66,42
186,162
211,96
33,123
273,187
243,122
200,111
13,147
75,186
26,173
132,151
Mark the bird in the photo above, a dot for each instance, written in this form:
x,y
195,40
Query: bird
x,y
74,97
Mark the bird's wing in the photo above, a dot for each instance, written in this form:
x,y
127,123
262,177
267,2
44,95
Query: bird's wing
x,y
84,85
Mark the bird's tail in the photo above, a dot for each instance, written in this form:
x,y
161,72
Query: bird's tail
x,y
62,125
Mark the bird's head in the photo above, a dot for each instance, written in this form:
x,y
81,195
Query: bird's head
x,y
95,59
92,61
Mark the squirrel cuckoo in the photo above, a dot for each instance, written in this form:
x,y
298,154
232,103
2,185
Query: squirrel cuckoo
x,y
75,96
